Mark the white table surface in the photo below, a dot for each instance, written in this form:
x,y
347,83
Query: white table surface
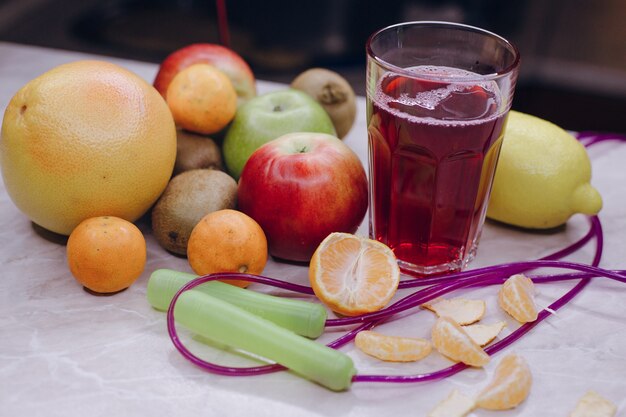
x,y
64,352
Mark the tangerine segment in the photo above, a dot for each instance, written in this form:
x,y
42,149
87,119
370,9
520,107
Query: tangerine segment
x,y
392,348
593,404
516,297
458,309
456,404
452,341
353,275
483,334
227,241
510,385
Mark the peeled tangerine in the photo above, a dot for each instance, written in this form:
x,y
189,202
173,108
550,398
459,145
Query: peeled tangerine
x,y
508,388
542,177
452,341
392,348
353,275
516,297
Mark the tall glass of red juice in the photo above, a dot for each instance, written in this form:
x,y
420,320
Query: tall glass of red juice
x,y
438,95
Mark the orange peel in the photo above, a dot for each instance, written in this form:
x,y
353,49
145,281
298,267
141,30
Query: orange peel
x,y
458,309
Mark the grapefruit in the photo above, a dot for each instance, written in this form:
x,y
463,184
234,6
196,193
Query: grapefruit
x,y
85,139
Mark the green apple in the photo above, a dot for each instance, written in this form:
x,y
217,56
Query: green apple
x,y
267,117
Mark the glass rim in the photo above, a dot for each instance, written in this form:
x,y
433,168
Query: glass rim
x,y
443,24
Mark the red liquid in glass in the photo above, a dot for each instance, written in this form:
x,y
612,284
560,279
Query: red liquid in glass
x,y
433,152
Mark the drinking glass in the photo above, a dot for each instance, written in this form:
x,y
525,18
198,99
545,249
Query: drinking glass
x,y
438,95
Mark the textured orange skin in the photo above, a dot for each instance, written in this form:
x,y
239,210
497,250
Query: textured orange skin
x,y
106,254
85,139
226,60
227,241
202,99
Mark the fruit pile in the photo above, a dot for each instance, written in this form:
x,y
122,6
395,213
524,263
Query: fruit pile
x,y
230,177
227,176
287,174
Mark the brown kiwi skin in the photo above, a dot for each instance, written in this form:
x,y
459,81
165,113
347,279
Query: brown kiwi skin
x,y
333,92
187,198
196,152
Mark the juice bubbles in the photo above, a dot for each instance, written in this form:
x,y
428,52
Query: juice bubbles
x,y
433,148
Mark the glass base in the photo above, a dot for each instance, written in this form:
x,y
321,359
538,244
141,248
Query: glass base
x,y
419,271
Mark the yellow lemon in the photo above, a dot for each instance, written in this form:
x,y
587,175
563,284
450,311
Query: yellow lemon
x,y
543,176
86,139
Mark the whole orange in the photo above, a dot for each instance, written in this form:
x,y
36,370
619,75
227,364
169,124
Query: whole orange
x,y
202,99
106,254
85,139
227,241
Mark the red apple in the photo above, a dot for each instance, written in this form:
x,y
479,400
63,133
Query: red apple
x,y
300,188
225,59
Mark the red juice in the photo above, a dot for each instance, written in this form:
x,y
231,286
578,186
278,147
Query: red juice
x,y
433,148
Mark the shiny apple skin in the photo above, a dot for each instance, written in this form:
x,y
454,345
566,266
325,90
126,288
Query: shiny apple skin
x,y
225,59
300,188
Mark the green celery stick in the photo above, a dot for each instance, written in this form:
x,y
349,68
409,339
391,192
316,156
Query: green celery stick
x,y
219,320
304,318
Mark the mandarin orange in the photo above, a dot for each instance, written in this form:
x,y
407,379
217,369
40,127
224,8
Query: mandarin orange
x,y
202,99
353,275
106,254
227,241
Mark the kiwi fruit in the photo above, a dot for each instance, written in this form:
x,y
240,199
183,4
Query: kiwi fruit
x,y
187,198
333,92
196,152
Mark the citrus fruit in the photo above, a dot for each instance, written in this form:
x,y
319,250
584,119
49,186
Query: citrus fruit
x,y
353,275
458,309
509,386
456,404
516,297
189,197
392,348
85,139
542,177
202,99
106,254
593,404
227,241
483,334
453,342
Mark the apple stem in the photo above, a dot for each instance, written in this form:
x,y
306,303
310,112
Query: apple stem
x,y
277,108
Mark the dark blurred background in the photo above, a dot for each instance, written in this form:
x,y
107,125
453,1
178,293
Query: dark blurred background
x,y
573,51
